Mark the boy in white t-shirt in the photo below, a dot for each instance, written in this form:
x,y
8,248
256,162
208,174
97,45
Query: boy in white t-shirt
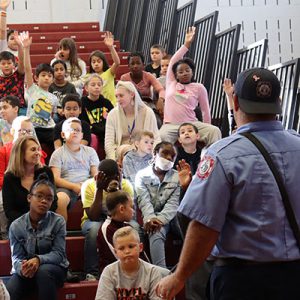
x,y
72,164
129,277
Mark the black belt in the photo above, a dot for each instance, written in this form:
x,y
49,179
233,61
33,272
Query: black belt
x,y
233,261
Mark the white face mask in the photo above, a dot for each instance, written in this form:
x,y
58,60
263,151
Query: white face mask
x,y
163,164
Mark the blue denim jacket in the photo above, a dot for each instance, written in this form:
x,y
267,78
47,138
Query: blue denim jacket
x,y
47,242
157,199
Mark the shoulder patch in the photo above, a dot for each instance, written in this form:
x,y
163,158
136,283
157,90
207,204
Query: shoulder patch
x,y
205,167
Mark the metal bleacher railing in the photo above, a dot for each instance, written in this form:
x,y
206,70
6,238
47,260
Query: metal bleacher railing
x,y
222,66
288,73
139,23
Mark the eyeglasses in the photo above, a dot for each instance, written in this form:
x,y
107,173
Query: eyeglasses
x,y
26,131
76,130
40,197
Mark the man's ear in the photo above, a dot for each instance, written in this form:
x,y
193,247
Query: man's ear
x,y
35,78
29,198
62,134
141,246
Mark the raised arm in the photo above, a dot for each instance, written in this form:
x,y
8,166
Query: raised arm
x,y
20,52
3,6
26,41
109,42
189,37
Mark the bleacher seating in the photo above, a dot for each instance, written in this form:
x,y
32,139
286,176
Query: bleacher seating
x,y
88,38
74,248
45,42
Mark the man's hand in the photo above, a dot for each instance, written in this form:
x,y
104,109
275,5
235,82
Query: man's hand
x,y
169,287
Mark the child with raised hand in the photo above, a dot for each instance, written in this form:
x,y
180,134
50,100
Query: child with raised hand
x,y
157,188
139,158
41,104
120,208
76,67
95,109
38,246
156,54
60,86
12,75
98,64
129,277
183,95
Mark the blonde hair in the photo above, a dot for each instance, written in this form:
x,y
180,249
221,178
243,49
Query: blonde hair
x,y
140,134
91,76
16,163
17,124
126,231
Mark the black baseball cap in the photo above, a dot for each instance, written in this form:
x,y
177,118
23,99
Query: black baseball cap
x,y
258,91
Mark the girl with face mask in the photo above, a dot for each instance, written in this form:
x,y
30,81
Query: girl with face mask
x,y
157,188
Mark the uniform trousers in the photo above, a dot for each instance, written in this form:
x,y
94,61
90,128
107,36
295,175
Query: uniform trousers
x,y
262,281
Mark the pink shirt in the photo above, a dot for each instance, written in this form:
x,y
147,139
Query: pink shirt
x,y
144,86
182,99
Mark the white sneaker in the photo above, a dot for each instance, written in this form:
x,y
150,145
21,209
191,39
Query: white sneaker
x,y
90,277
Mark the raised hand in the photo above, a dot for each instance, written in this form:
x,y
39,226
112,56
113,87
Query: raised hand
x,y
184,173
109,39
189,36
4,4
228,89
228,86
23,38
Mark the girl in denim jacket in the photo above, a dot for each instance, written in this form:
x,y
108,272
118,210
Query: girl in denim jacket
x,y
37,241
158,190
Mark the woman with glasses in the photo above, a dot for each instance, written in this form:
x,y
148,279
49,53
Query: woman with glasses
x,y
37,241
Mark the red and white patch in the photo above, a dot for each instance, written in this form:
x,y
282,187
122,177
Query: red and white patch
x,y
205,167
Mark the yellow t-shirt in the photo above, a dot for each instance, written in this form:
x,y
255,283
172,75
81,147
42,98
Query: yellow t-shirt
x,y
108,90
88,193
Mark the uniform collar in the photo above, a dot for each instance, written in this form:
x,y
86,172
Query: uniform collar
x,y
261,126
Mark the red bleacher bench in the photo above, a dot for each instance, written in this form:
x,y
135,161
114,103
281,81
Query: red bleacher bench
x,y
74,249
83,47
46,58
47,37
56,27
